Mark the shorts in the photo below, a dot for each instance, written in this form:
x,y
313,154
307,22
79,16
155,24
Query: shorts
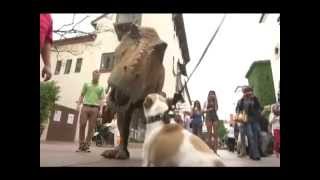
x,y
212,116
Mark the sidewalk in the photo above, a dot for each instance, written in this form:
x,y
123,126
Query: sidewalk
x,y
63,154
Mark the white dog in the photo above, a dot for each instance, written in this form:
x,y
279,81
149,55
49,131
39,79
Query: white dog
x,y
168,144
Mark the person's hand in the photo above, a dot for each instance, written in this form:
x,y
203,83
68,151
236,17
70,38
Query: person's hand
x,y
78,105
100,113
46,73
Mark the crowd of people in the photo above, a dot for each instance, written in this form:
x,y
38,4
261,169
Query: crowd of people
x,y
244,134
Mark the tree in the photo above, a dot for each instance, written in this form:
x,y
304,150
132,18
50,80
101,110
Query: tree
x,y
48,96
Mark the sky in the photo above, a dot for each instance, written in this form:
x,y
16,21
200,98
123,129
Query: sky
x,y
240,41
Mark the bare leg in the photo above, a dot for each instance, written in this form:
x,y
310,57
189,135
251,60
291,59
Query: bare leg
x,y
209,129
215,136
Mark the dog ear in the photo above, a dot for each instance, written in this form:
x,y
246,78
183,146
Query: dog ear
x,y
147,102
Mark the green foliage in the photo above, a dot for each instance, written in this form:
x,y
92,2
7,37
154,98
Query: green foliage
x,y
222,131
260,78
48,96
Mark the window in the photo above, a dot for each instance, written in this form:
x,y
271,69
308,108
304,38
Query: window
x,y
78,65
58,67
107,62
68,66
126,18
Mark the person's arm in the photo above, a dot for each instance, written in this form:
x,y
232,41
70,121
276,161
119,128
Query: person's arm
x,y
205,107
102,97
45,53
217,104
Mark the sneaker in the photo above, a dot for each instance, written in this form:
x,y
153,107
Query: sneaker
x,y
86,148
81,148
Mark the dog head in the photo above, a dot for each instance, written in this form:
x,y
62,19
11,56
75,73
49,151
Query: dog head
x,y
154,105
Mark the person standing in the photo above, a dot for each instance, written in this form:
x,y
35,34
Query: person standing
x,y
275,126
187,120
231,138
252,108
210,108
197,120
92,96
45,44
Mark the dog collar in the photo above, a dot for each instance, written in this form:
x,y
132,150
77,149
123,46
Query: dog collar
x,y
153,119
164,117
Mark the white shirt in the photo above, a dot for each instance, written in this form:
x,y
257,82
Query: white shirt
x,y
276,123
231,132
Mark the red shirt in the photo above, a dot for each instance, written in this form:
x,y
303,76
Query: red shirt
x,y
45,29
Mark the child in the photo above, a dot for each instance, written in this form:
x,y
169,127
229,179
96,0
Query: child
x,y
275,126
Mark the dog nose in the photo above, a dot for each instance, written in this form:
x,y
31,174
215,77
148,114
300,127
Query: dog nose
x,y
147,103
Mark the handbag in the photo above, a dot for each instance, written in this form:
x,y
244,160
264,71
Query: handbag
x,y
241,117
